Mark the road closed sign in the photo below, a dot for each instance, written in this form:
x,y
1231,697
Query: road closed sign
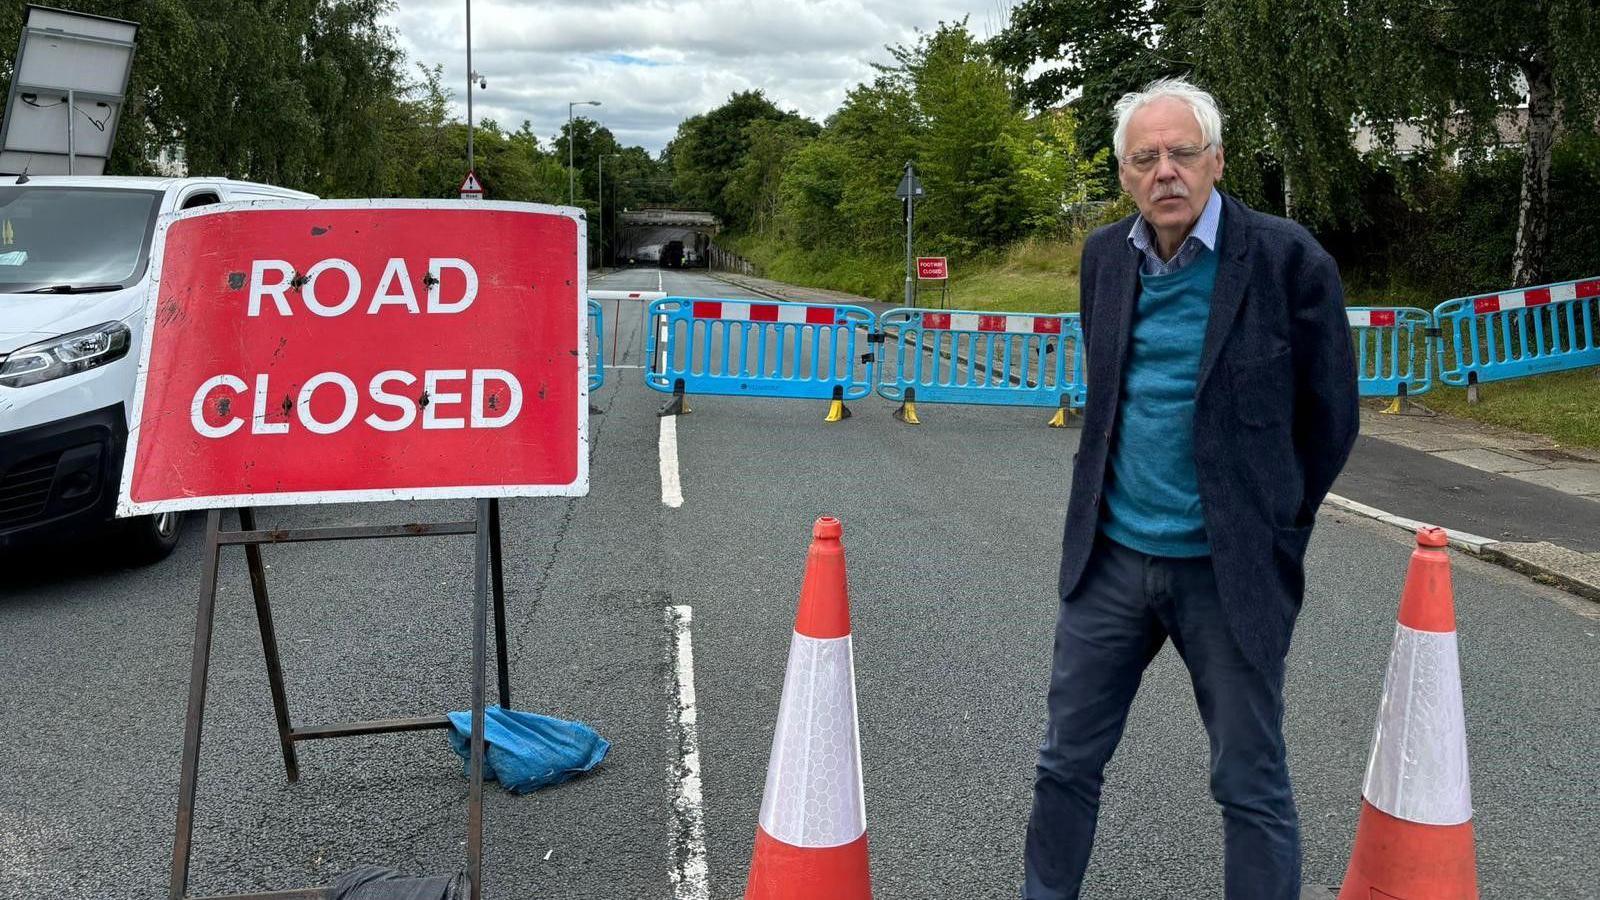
x,y
350,351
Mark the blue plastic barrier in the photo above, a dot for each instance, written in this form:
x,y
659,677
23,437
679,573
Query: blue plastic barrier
x,y
1009,359
1394,350
1513,334
597,346
758,349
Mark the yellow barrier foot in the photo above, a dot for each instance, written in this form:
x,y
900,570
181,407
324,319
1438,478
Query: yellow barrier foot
x,y
1405,406
907,413
837,411
1063,418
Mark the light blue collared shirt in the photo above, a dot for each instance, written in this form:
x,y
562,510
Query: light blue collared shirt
x,y
1203,236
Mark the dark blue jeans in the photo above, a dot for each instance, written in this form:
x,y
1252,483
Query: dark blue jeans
x,y
1126,606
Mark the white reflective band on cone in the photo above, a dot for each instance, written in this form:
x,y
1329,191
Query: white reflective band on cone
x,y
1418,768
813,796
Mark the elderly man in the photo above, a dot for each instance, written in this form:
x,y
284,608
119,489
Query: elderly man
x,y
1222,405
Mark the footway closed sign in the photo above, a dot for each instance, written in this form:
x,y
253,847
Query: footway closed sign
x,y
361,350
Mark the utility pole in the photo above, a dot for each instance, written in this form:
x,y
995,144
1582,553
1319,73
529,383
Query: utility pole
x,y
470,123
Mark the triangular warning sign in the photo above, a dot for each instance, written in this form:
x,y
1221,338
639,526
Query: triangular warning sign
x,y
471,184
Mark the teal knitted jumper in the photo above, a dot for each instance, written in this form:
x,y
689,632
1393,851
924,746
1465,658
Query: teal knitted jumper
x,y
1153,501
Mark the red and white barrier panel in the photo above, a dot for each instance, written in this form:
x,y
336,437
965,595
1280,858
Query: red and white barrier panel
x,y
1371,318
985,322
627,295
793,313
1576,290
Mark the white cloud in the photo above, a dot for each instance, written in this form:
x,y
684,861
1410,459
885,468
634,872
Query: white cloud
x,y
654,63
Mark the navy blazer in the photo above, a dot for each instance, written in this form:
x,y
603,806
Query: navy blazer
x,y
1275,410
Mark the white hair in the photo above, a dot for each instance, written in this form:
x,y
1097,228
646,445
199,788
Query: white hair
x,y
1202,103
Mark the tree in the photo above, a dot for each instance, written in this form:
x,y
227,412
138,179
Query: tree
x,y
709,148
753,194
1482,57
1294,77
1093,52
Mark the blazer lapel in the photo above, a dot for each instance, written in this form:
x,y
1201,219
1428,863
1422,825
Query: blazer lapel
x,y
1227,295
1124,281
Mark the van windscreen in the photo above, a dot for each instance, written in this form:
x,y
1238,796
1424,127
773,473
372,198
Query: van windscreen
x,y
56,239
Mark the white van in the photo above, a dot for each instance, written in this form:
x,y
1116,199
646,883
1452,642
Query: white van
x,y
74,258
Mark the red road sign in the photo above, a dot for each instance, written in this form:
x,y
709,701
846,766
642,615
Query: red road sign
x,y
361,350
471,187
932,268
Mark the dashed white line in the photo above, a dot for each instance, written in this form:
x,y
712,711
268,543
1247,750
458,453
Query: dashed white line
x,y
690,875
667,447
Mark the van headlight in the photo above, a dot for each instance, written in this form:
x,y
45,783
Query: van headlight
x,y
70,354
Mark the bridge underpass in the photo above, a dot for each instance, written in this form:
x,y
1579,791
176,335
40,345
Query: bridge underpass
x,y
669,238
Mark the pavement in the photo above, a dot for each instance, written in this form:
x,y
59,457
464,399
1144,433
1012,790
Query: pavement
x,y
952,531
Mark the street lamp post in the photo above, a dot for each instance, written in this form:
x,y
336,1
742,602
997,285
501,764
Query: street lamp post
x,y
572,197
472,77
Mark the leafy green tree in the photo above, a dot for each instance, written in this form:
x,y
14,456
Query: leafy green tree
x,y
1093,52
1466,64
709,148
1295,77
753,194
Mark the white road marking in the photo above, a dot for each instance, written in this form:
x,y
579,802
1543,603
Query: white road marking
x,y
667,446
690,875
658,281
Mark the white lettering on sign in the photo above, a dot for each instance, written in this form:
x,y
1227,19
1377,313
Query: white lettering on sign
x,y
494,400
260,287
408,410
513,403
352,289
345,415
258,414
431,420
394,274
435,268
197,407
273,278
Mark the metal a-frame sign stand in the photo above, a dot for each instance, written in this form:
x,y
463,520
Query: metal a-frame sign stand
x,y
488,578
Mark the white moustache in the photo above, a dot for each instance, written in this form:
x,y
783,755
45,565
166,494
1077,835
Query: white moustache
x,y
1170,189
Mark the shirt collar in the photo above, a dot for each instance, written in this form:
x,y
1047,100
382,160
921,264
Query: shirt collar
x,y
1205,230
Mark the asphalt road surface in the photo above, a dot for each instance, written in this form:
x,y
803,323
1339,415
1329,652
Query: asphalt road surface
x,y
951,529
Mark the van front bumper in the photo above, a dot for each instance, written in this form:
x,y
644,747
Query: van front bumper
x,y
61,477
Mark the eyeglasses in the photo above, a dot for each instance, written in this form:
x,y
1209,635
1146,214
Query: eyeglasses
x,y
1184,157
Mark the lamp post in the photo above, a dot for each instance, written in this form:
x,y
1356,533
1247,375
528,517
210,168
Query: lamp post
x,y
572,197
472,77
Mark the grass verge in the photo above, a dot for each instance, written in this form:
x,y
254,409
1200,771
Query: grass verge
x,y
1564,406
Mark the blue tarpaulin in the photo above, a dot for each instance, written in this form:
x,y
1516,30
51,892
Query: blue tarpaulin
x,y
525,751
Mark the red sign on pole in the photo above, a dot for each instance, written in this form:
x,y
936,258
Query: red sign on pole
x,y
361,350
932,268
471,187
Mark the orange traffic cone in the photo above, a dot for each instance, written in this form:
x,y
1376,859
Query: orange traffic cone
x,y
811,843
1414,839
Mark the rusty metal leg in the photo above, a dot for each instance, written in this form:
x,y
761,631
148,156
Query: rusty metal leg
x,y
194,717
480,652
499,604
269,647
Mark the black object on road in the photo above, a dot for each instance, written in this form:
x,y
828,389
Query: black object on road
x,y
379,883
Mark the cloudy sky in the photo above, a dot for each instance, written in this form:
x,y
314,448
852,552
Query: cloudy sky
x,y
654,63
